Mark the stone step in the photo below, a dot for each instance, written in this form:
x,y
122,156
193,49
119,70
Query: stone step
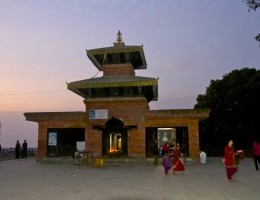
x,y
106,161
57,160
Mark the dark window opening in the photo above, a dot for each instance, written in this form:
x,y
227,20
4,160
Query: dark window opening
x,y
132,91
66,141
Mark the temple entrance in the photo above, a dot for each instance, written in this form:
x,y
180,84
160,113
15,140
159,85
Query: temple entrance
x,y
182,137
114,138
156,137
114,142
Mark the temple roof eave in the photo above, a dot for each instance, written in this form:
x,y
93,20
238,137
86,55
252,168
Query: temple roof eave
x,y
113,81
180,113
46,116
78,87
116,50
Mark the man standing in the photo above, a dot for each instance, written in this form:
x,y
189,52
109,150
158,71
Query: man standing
x,y
256,153
24,152
17,149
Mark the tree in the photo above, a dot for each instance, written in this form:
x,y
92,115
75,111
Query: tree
x,y
234,102
253,5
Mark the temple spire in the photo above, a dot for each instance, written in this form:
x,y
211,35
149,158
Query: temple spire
x,y
119,40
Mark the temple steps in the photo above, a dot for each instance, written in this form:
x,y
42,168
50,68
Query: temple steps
x,y
95,161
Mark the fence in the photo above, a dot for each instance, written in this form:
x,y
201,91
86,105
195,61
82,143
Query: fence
x,y
219,152
9,153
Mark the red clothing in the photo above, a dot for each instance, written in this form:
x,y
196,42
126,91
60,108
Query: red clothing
x,y
230,162
256,149
229,156
230,171
176,155
166,148
176,161
178,166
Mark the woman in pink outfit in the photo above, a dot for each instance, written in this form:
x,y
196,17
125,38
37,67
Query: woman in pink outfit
x,y
166,163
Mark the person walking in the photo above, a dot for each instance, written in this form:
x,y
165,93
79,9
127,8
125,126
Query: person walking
x,y
230,161
24,150
256,154
177,160
17,149
166,149
166,163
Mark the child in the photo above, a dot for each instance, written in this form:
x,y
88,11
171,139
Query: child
x,y
166,163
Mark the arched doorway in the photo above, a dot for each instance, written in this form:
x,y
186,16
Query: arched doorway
x,y
114,138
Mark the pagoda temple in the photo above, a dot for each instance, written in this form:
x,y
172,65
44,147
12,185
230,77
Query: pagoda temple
x,y
117,120
118,64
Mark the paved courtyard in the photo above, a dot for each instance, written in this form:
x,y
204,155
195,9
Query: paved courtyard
x,y
24,179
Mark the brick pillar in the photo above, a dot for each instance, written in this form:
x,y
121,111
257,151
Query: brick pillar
x,y
93,140
42,141
136,142
193,130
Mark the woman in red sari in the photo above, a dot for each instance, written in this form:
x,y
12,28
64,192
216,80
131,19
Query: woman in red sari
x,y
230,161
176,160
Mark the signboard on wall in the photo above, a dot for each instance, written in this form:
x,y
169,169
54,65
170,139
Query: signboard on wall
x,y
80,145
52,140
98,114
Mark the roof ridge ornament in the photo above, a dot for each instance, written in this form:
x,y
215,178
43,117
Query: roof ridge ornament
x,y
119,40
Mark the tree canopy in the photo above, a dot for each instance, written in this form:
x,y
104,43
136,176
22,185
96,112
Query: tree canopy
x,y
235,105
253,5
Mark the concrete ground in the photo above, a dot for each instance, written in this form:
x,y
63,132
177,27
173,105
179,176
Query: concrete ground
x,y
24,179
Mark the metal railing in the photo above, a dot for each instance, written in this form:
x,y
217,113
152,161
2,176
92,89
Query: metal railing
x,y
219,152
9,153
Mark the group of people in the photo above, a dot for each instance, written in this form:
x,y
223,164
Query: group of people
x,y
172,158
21,149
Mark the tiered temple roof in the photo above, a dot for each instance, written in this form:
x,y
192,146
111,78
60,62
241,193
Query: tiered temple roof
x,y
118,64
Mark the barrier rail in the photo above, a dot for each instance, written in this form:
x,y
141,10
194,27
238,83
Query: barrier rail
x,y
219,152
9,153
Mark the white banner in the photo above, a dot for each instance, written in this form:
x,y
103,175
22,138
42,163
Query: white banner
x,y
98,114
80,146
52,139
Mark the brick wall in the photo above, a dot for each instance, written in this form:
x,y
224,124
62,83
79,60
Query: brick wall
x,y
130,111
120,69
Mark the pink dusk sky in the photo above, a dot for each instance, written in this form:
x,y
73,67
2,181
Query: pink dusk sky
x,y
186,43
